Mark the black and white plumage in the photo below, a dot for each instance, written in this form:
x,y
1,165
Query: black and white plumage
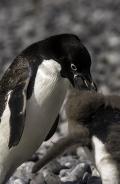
x,y
32,91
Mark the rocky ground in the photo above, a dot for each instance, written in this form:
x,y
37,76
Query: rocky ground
x,y
23,22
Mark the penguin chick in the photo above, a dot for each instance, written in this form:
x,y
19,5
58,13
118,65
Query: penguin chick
x,y
93,120
32,91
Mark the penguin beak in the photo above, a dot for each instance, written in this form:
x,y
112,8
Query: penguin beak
x,y
84,81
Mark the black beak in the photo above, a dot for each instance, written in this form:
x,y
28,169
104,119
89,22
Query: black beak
x,y
84,81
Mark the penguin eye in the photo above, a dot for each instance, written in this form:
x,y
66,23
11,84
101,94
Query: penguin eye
x,y
73,67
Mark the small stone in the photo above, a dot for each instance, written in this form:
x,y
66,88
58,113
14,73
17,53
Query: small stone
x,y
75,174
72,160
18,181
52,179
54,167
23,173
68,164
39,179
64,172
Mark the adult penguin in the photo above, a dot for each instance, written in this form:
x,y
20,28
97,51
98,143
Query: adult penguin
x,y
32,91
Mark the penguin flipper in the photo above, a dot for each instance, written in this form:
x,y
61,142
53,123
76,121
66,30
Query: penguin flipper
x,y
53,129
17,105
14,92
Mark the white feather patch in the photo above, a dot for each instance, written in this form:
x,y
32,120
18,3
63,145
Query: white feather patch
x,y
48,75
5,119
4,137
104,163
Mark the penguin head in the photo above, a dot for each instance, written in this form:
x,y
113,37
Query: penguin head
x,y
74,59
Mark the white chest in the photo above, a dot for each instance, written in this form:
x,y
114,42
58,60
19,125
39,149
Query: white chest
x,y
41,111
43,107
49,93
104,162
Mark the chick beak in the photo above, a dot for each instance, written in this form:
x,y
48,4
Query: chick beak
x,y
84,81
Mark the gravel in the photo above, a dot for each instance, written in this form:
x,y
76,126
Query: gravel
x,y
97,24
